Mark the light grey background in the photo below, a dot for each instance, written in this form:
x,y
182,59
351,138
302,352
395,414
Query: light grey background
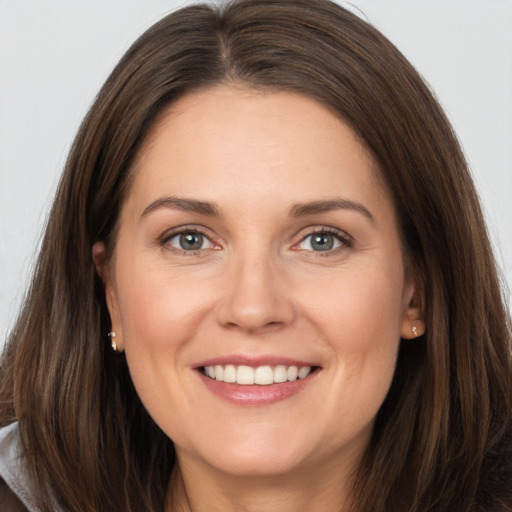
x,y
55,54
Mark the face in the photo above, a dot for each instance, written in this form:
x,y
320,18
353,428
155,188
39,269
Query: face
x,y
257,285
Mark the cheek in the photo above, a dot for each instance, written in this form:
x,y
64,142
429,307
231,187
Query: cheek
x,y
161,311
360,306
158,317
157,305
360,319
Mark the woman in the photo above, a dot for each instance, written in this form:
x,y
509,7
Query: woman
x,y
265,284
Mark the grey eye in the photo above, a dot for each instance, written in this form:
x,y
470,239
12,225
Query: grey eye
x,y
189,241
320,242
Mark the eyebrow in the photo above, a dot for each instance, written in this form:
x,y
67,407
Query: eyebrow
x,y
297,210
316,207
185,205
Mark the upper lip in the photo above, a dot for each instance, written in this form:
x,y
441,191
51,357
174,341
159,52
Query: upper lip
x,y
254,361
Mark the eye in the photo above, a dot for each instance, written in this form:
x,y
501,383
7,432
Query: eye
x,y
322,241
189,241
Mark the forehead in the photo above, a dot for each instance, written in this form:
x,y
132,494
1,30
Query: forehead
x,y
284,145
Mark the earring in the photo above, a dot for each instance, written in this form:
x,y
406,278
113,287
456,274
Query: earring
x,y
112,336
414,331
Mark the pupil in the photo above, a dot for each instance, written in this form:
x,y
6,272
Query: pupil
x,y
322,242
191,241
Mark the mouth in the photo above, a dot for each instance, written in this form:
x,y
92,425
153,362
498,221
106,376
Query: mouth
x,y
256,381
265,375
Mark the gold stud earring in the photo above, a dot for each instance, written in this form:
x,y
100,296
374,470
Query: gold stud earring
x,y
112,336
415,331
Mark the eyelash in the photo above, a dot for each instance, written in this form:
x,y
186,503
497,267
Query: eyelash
x,y
345,240
167,237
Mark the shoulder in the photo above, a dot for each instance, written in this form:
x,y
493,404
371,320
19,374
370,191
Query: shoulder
x,y
9,502
15,495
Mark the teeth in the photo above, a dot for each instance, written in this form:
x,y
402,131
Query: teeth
x,y
244,375
292,373
303,372
280,374
262,375
229,373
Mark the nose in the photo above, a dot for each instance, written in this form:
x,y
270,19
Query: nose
x,y
257,296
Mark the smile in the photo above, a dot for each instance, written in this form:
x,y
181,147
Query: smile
x,y
262,375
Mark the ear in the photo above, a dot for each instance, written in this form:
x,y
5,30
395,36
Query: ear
x,y
413,318
106,273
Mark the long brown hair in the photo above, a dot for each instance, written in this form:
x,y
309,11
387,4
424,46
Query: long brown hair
x,y
87,439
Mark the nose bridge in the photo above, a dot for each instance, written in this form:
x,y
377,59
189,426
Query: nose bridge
x,y
256,296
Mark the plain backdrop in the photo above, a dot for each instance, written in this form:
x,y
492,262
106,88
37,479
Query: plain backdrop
x,y
54,56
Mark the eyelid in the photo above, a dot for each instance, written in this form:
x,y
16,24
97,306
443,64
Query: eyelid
x,y
180,230
345,239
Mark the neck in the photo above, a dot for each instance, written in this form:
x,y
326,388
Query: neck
x,y
306,490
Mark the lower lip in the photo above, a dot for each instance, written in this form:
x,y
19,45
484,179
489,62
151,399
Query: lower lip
x,y
256,394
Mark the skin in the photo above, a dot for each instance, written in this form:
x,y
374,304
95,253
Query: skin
x,y
257,286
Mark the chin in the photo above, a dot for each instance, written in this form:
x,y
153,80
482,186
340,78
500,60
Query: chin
x,y
259,465
257,456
